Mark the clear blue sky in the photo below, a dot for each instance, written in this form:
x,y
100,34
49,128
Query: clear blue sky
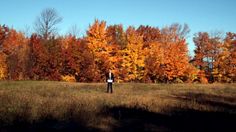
x,y
200,15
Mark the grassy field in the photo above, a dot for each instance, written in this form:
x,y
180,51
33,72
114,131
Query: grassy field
x,y
61,106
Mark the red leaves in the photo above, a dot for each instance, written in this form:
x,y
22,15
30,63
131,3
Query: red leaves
x,y
146,54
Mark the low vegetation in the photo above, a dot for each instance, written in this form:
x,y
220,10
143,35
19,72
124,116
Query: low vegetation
x,y
49,106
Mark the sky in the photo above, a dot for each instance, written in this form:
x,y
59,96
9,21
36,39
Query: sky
x,y
200,15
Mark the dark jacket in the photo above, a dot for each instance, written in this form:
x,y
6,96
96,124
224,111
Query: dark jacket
x,y
112,77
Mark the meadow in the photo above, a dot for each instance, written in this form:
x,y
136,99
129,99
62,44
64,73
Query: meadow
x,y
62,106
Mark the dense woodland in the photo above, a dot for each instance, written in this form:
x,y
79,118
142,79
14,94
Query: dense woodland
x,y
143,54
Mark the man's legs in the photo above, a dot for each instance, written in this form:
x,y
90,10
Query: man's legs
x,y
107,87
111,87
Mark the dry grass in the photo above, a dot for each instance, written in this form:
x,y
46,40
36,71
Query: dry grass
x,y
42,106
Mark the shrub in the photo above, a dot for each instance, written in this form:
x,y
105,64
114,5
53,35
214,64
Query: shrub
x,y
68,78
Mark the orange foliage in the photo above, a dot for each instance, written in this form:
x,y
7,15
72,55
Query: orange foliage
x,y
145,54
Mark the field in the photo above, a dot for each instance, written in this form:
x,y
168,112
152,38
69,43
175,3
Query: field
x,y
61,106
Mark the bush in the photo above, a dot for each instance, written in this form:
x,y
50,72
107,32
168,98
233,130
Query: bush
x,y
68,78
203,80
178,80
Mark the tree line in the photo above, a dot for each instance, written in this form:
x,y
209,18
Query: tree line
x,y
143,54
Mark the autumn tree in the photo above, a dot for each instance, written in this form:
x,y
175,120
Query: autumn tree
x,y
53,48
77,59
4,32
176,60
150,35
18,56
133,56
116,36
38,57
46,23
12,44
154,61
214,50
207,53
97,43
145,54
227,59
3,66
167,56
201,40
70,55
86,63
116,39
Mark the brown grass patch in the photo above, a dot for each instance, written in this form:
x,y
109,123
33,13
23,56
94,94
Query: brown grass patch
x,y
43,106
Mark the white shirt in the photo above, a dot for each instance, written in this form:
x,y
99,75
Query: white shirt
x,y
109,75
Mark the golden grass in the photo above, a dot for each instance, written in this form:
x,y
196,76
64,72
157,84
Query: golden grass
x,y
89,107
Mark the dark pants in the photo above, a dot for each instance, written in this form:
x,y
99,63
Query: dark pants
x,y
109,86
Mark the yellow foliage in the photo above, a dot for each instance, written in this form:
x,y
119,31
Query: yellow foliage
x,y
2,73
3,67
97,38
133,56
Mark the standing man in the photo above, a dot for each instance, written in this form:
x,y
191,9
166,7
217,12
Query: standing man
x,y
109,79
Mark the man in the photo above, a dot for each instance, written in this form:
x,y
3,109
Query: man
x,y
109,79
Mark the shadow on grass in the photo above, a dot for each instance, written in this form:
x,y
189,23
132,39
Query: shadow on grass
x,y
47,125
219,102
136,119
177,120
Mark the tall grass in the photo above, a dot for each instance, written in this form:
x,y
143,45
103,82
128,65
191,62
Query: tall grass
x,y
42,105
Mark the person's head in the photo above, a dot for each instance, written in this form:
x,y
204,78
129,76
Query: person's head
x,y
110,70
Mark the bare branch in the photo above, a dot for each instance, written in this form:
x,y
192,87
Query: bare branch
x,y
45,24
74,31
